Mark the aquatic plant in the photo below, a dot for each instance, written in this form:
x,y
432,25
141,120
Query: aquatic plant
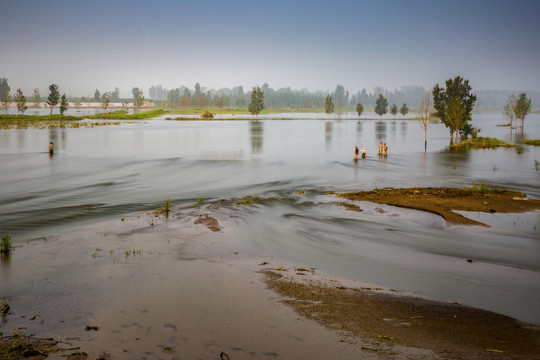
x,y
133,252
536,164
5,245
482,188
481,143
198,202
166,205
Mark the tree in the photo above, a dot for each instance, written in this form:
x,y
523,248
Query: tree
x,y
63,104
339,96
455,88
54,98
329,105
105,101
423,114
20,99
455,115
135,92
139,98
393,110
4,93
115,95
381,105
509,111
523,107
36,97
359,109
256,105
97,96
404,109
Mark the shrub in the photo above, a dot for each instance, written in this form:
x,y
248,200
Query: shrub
x,y
5,245
207,114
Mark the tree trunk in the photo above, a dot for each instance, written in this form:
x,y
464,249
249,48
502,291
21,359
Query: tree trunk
x,y
50,115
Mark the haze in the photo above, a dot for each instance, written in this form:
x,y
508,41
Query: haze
x,y
84,45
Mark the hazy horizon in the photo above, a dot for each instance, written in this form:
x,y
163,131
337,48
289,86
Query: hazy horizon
x,y
83,46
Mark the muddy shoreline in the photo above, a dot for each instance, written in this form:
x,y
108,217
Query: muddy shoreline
x,y
146,287
442,201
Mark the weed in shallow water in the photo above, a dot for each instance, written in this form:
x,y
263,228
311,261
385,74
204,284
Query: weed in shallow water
x,y
5,245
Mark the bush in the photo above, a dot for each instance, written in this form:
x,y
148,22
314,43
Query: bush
x,y
5,245
207,115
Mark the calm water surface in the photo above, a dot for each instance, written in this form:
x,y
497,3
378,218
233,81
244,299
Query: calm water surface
x,y
103,172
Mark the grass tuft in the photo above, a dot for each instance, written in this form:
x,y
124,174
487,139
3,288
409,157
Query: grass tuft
x,y
5,245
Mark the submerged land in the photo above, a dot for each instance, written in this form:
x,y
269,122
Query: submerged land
x,y
442,201
210,309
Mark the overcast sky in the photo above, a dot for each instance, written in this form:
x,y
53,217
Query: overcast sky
x,y
84,45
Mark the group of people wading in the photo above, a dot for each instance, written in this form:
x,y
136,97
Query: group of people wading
x,y
383,151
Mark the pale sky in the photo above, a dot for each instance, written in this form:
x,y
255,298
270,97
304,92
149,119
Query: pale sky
x,y
82,45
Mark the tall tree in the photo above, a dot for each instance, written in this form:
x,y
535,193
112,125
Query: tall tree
x,y
329,105
36,97
339,98
509,111
139,98
359,109
20,99
523,107
63,104
381,105
135,92
5,97
404,109
256,105
97,96
105,101
115,95
455,88
423,114
393,110
455,115
54,98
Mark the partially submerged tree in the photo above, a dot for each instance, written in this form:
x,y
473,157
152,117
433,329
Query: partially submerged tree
x,y
53,98
381,105
256,105
509,111
393,110
36,97
404,109
63,104
105,101
455,88
522,108
20,99
329,106
359,109
456,113
423,114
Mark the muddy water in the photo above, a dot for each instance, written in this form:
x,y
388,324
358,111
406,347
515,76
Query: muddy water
x,y
98,174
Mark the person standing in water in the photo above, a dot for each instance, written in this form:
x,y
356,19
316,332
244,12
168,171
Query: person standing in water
x,y
363,153
385,149
51,150
356,152
380,148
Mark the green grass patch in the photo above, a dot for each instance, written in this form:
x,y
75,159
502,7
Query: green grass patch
x,y
123,115
481,143
482,188
535,142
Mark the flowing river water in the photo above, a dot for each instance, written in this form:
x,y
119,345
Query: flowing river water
x,y
106,172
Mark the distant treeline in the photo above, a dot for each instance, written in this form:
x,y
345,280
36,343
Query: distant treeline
x,y
201,97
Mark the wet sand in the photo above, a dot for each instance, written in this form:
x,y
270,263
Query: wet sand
x,y
137,288
442,201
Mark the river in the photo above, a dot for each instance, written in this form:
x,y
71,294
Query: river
x,y
108,172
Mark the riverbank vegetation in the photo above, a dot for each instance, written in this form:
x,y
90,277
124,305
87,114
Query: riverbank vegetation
x,y
481,143
534,142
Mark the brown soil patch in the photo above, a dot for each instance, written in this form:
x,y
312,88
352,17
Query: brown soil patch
x,y
22,346
209,222
450,330
442,201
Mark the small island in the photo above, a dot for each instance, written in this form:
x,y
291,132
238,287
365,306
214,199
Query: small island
x,y
442,201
